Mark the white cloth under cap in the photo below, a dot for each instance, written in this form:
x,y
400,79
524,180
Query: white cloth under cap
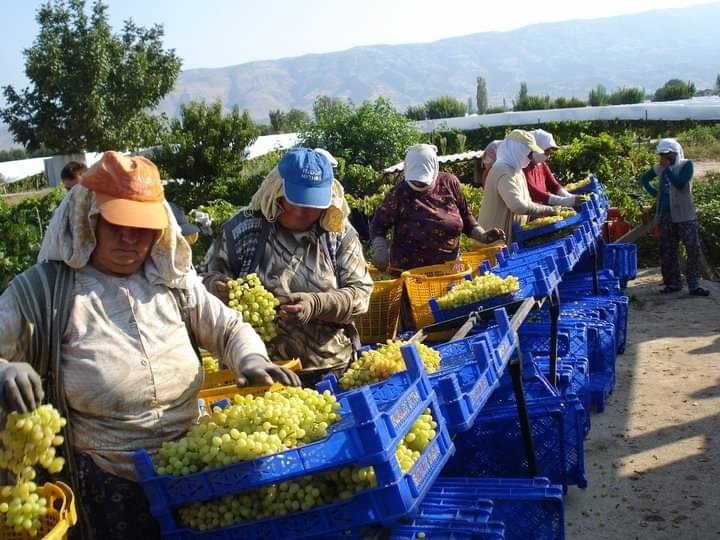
x,y
544,139
421,164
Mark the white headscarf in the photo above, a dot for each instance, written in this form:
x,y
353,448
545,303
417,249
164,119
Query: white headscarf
x,y
421,165
672,145
71,238
513,154
265,200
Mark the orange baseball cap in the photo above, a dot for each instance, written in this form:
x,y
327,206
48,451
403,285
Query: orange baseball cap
x,y
128,191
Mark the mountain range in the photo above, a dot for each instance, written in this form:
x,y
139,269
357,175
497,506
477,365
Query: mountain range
x,y
566,58
560,59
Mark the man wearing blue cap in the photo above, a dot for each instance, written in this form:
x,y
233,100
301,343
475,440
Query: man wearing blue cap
x,y
295,235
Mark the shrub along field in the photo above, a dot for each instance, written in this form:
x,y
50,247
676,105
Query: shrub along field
x,y
616,152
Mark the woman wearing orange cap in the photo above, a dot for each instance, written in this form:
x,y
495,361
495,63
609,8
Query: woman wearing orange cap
x,y
105,326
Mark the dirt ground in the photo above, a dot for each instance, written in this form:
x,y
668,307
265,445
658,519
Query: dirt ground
x,y
653,457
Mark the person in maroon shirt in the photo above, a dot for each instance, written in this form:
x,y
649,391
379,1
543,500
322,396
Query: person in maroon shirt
x,y
427,213
542,185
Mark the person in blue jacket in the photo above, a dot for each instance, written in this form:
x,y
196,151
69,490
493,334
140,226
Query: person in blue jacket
x,y
675,217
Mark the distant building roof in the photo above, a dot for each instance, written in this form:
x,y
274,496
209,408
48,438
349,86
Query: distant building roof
x,y
449,158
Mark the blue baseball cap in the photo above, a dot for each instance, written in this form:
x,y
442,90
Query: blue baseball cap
x,y
307,178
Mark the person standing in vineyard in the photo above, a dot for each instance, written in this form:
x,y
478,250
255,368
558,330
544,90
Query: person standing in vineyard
x,y
542,185
71,173
427,214
675,216
507,199
106,327
295,235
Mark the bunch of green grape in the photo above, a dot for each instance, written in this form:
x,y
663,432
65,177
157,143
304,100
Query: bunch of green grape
x,y
480,288
257,305
579,184
28,439
560,214
252,426
306,493
210,364
379,364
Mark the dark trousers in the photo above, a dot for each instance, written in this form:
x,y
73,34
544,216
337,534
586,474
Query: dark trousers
x,y
115,508
670,236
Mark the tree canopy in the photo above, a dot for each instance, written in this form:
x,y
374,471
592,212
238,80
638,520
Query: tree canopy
x,y
674,89
373,134
90,88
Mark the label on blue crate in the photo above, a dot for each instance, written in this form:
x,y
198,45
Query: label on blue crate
x,y
425,464
479,390
405,408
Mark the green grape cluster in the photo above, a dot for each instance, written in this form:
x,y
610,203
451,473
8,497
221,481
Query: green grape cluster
x,y
252,426
256,303
560,214
379,364
28,439
579,184
210,364
306,493
480,288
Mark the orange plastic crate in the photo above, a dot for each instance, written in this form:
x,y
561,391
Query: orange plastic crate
x,y
428,282
55,524
380,323
225,377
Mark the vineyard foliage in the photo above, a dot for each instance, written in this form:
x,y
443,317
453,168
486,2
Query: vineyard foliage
x,y
617,157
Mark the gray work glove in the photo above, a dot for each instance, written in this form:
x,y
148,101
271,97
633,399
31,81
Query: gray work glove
x,y
20,387
569,201
331,306
487,237
545,211
380,252
257,370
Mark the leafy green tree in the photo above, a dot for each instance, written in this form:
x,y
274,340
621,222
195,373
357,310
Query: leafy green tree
x,y
532,103
567,103
523,93
598,97
470,106
417,112
481,96
674,89
288,122
373,134
445,107
90,88
623,96
12,154
204,145
717,85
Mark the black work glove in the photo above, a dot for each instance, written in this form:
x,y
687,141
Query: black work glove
x,y
20,387
257,370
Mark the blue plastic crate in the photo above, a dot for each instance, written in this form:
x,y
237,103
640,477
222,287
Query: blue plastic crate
x,y
534,336
383,505
563,251
373,420
537,283
531,508
601,386
494,445
499,334
612,309
491,530
573,376
622,260
582,215
593,187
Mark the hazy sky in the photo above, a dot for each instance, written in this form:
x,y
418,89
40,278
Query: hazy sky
x,y
215,33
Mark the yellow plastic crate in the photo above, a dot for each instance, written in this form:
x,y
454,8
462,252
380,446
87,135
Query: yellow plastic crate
x,y
55,524
381,321
225,377
428,282
477,256
209,396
